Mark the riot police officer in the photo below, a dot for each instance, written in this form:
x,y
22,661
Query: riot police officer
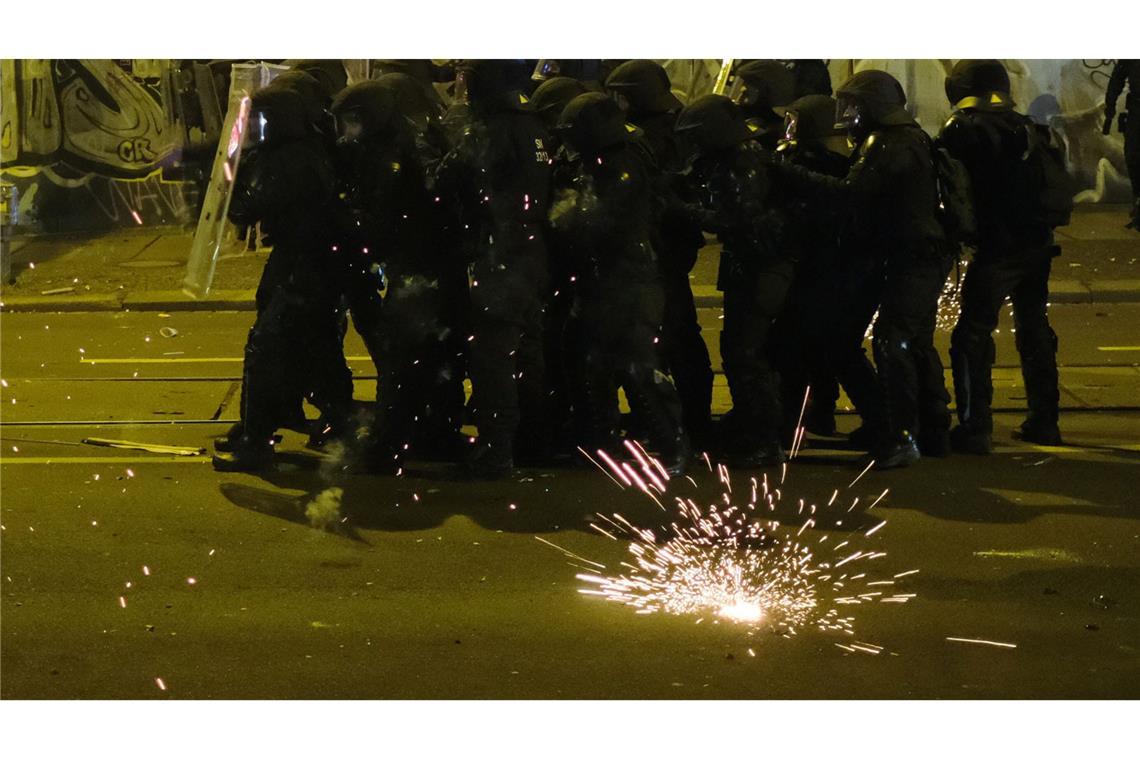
x,y
549,100
498,176
1127,72
835,292
551,97
730,175
1014,250
286,184
440,398
891,196
603,212
762,89
642,88
391,223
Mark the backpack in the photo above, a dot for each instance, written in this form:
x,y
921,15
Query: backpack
x,y
955,197
1047,189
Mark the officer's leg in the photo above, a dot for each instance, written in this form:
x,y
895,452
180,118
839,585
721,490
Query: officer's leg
x,y
901,319
533,436
1037,344
1132,161
493,366
597,418
266,352
649,391
366,308
320,354
444,412
753,382
857,296
555,317
987,283
933,398
686,355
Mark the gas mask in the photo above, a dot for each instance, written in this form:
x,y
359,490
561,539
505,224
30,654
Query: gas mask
x,y
350,129
849,116
741,94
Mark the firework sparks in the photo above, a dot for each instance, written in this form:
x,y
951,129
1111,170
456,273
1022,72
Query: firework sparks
x,y
730,561
983,642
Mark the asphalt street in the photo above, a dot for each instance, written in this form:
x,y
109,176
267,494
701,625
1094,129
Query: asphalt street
x,y
133,574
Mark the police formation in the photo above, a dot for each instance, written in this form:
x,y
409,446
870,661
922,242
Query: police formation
x,y
539,242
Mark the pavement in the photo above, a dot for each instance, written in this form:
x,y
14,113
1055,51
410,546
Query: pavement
x,y
141,573
142,269
128,573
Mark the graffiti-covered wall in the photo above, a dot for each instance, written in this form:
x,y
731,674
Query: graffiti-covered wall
x,y
93,144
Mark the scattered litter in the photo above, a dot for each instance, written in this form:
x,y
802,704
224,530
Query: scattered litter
x,y
168,332
57,291
1103,602
154,448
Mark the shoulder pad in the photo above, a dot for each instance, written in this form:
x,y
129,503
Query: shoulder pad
x,y
952,120
873,142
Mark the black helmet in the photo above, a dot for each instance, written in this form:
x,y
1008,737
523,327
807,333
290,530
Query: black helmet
x,y
764,85
811,117
373,103
977,78
552,96
312,93
871,99
328,71
713,122
592,122
811,76
413,98
645,84
494,83
284,112
417,68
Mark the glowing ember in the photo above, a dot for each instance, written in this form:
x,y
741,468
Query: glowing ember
x,y
745,612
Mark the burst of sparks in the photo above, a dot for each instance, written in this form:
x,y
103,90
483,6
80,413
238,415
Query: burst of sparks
x,y
731,560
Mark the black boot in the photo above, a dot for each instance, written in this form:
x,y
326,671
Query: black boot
x,y
247,456
900,454
1041,432
966,439
490,462
766,455
1134,222
934,443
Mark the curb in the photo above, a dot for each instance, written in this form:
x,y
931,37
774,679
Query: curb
x,y
177,300
704,296
154,300
1060,291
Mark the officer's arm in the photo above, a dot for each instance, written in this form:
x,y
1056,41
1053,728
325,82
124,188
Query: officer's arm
x,y
961,141
252,194
1115,87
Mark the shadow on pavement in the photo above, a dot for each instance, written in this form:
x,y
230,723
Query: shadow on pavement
x,y
1016,487
534,501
